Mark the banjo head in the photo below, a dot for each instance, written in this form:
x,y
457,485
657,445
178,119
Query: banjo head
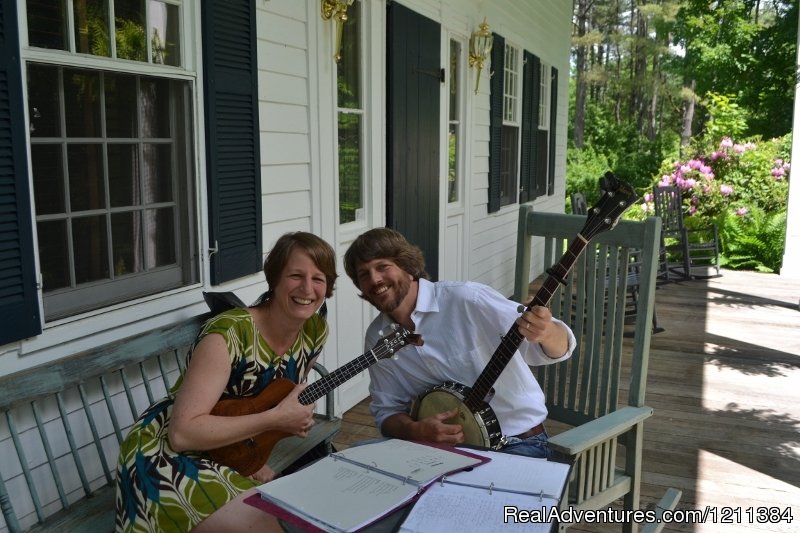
x,y
478,430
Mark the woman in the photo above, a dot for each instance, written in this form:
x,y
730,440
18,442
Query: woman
x,y
165,481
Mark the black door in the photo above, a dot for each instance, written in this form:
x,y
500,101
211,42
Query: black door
x,y
414,81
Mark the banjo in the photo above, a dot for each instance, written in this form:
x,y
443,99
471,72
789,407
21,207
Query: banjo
x,y
478,420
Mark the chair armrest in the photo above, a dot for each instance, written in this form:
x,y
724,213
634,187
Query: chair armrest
x,y
574,441
329,407
668,502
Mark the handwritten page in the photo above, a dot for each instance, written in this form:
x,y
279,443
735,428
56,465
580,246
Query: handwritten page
x,y
489,495
450,507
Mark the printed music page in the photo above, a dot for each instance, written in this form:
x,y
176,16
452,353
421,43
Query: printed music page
x,y
351,489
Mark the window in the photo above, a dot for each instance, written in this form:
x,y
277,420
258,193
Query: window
x,y
350,120
455,133
111,152
523,110
509,159
543,131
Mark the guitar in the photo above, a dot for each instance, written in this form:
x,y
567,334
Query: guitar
x,y
249,455
478,420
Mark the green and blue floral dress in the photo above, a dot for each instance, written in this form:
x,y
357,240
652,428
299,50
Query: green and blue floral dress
x,y
161,490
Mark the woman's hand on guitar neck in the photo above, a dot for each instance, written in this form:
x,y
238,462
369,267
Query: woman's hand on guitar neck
x,y
292,416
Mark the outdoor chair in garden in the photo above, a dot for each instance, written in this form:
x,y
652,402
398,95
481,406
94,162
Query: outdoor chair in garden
x,y
688,252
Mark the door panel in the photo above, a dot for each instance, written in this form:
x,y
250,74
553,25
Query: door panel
x,y
414,81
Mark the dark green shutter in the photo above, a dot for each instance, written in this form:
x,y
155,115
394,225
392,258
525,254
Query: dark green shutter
x,y
551,170
232,137
530,126
496,122
19,303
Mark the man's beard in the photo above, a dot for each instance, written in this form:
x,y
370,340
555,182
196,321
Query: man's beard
x,y
401,288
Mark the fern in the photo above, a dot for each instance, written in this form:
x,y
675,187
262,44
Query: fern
x,y
754,241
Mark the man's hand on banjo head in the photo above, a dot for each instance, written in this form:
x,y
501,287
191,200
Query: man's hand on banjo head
x,y
435,429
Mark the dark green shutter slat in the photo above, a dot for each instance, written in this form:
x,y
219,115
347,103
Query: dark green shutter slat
x,y
551,170
19,303
232,137
530,112
538,177
495,122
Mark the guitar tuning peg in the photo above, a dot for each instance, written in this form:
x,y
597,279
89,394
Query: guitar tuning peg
x,y
393,326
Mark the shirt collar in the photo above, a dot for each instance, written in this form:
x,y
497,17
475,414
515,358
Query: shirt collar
x,y
426,297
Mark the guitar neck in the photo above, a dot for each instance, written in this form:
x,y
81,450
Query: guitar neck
x,y
327,383
557,275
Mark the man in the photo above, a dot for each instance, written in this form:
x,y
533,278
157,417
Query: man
x,y
461,324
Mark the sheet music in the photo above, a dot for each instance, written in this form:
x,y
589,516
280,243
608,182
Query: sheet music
x,y
447,508
408,460
353,488
481,495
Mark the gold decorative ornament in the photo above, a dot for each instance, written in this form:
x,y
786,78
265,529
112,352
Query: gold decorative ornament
x,y
480,46
337,10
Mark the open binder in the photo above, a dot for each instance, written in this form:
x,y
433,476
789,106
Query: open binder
x,y
349,490
485,498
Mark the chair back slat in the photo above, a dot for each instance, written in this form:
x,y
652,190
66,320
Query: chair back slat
x,y
87,410
593,304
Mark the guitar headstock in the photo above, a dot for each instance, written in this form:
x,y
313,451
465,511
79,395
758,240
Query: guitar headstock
x,y
604,215
388,345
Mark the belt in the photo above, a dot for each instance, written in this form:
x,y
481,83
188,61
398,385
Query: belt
x,y
535,430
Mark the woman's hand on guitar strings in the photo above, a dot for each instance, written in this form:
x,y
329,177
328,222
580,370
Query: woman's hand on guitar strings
x,y
295,417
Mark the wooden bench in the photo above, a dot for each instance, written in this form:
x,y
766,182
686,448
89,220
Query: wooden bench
x,y
63,422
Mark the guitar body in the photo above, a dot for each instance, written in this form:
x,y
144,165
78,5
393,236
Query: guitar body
x,y
248,456
481,427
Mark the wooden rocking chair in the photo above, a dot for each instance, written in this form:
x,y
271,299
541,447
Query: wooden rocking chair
x,y
587,392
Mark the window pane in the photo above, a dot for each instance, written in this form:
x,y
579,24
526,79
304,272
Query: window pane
x,y
47,23
85,167
121,115
165,40
159,242
452,164
349,67
126,235
157,173
508,165
455,55
82,103
90,244
53,254
123,175
349,166
43,108
91,27
48,178
130,29
155,100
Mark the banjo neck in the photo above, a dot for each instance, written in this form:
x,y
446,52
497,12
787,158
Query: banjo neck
x,y
511,341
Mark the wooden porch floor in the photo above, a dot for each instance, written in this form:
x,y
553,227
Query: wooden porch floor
x,y
724,381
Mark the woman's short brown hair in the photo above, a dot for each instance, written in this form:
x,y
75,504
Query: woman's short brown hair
x,y
384,243
317,249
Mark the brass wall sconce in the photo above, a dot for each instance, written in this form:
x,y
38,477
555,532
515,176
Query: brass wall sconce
x,y
336,9
480,46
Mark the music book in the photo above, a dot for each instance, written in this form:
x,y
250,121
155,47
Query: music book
x,y
489,495
351,489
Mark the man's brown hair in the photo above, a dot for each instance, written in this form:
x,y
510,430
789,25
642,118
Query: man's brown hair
x,y
384,243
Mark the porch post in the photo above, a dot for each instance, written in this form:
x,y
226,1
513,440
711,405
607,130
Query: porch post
x,y
791,253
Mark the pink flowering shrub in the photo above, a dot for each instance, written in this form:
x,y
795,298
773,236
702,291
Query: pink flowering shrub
x,y
731,178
